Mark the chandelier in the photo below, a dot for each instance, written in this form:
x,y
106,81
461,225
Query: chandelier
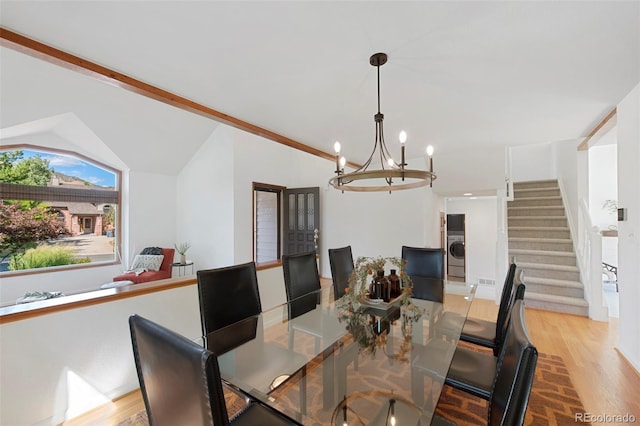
x,y
391,176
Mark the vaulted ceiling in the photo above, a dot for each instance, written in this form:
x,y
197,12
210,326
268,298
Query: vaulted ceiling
x,y
461,75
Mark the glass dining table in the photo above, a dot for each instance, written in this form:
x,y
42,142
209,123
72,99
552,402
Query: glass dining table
x,y
349,361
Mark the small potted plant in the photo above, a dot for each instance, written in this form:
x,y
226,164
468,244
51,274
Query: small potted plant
x,y
182,251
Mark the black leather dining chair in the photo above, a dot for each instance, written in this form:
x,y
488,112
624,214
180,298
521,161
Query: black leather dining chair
x,y
510,378
302,285
488,333
467,363
181,384
515,374
230,296
301,282
341,262
479,373
425,267
227,295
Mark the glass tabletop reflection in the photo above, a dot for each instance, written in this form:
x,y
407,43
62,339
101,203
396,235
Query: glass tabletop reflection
x,y
363,360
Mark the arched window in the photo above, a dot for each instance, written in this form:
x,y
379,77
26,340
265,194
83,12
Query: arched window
x,y
58,209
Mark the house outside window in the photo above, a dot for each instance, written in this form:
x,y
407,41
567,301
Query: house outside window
x,y
58,209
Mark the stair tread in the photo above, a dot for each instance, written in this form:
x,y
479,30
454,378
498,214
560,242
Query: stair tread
x,y
553,282
535,181
541,240
534,207
538,228
541,197
548,266
575,301
542,188
541,252
537,217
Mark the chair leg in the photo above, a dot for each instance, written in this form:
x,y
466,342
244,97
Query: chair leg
x,y
290,337
303,390
328,375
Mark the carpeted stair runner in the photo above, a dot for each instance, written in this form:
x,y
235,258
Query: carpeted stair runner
x,y
541,243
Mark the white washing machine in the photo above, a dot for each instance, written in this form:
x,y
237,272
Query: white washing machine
x,y
455,255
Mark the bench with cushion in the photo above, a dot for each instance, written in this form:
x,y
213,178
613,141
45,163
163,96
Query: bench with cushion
x,y
162,273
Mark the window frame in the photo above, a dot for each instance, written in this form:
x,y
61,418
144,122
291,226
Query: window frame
x,y
267,187
118,217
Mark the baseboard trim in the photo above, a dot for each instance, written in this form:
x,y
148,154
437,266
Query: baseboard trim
x,y
626,359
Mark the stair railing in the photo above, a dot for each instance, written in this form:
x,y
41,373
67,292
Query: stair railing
x,y
589,254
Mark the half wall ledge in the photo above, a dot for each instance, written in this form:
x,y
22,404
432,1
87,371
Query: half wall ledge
x,y
20,312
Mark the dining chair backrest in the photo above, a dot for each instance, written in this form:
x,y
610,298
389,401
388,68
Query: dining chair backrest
x,y
227,295
506,301
501,334
301,282
425,267
341,262
179,380
514,373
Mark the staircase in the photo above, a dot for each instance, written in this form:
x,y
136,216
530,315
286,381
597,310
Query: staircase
x,y
540,241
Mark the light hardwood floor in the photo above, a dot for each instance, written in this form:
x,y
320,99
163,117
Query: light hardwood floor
x,y
606,383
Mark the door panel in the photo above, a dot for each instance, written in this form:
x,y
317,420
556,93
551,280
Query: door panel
x,y
301,220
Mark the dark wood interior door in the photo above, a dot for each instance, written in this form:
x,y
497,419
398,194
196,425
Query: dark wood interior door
x,y
301,220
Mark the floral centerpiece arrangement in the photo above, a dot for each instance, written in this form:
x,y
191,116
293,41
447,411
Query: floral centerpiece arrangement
x,y
368,330
369,266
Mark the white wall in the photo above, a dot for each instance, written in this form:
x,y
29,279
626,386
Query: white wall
x,y
433,208
564,160
629,231
204,200
481,228
151,212
38,383
480,171
603,184
379,224
531,162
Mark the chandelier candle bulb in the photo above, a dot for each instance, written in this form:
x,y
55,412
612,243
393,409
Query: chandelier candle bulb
x,y
392,409
344,411
403,139
336,147
430,154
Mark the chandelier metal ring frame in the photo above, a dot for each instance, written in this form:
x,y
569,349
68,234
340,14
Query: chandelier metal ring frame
x,y
390,169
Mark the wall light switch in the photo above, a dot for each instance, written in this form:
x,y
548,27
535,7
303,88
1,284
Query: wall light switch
x,y
622,215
